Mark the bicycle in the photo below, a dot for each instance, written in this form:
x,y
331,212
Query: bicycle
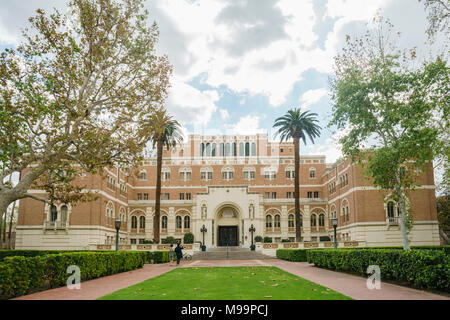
x,y
187,257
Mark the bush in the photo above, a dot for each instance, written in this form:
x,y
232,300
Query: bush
x,y
35,253
285,240
169,240
24,275
267,240
294,255
420,268
188,238
258,239
147,242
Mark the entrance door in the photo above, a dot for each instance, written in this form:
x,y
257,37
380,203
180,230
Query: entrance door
x,y
228,234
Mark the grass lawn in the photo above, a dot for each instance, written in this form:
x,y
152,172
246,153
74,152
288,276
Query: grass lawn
x,y
226,283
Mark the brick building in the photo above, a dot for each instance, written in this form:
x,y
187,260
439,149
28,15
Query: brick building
x,y
227,184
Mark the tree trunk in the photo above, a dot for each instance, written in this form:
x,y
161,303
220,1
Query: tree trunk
x,y
157,215
444,236
10,225
403,228
297,189
4,226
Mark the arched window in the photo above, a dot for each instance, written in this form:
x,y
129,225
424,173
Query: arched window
x,y
206,173
247,149
122,214
53,213
208,150
301,221
222,149
164,222
241,149
234,149
141,222
202,149
277,222
390,209
291,221
213,151
109,213
313,220
64,213
133,222
143,175
227,173
178,222
227,150
268,221
187,222
253,149
249,173
322,220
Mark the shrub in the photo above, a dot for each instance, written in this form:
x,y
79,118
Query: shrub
x,y
294,255
267,240
169,240
258,239
188,238
23,275
419,268
147,242
285,240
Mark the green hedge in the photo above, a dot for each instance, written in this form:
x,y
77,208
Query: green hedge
x,y
35,253
22,275
420,268
295,255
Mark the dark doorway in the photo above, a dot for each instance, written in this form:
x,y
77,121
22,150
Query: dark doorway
x,y
228,235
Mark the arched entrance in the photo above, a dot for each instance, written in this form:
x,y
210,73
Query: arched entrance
x,y
227,226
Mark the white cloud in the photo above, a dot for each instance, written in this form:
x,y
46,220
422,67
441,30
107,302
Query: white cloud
x,y
224,114
311,97
190,105
246,125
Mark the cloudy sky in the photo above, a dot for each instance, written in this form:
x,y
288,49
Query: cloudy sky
x,y
240,64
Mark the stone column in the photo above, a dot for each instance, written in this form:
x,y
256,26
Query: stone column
x,y
171,222
149,223
284,223
306,224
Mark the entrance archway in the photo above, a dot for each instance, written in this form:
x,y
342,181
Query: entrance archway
x,y
227,217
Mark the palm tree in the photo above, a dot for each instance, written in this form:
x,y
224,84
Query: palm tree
x,y
163,131
297,125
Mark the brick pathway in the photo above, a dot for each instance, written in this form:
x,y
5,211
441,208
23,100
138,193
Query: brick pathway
x,y
352,286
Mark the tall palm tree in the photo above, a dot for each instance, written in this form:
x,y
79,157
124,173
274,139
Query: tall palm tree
x,y
297,125
163,131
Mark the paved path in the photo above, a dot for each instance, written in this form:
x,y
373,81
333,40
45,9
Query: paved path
x,y
349,285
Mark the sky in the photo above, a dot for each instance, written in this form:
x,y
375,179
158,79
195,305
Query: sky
x,y
240,64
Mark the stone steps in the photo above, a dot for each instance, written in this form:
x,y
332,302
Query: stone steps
x,y
244,254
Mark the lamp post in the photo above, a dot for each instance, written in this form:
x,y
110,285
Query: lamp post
x,y
335,223
117,224
252,230
203,230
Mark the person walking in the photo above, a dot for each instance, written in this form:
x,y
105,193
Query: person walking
x,y
171,255
179,252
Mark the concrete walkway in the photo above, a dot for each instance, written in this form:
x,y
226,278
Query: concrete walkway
x,y
349,285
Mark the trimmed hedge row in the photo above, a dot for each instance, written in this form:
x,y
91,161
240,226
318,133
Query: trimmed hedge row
x,y
22,275
35,253
294,255
420,268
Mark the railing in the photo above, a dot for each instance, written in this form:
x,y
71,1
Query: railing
x,y
56,224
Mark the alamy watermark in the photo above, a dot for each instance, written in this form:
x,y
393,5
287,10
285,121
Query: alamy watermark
x,y
74,280
374,280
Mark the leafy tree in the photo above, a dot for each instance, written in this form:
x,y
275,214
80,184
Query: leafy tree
x,y
385,101
297,125
443,211
438,15
75,91
164,131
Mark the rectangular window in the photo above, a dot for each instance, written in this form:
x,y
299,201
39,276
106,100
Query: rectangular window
x,y
167,197
181,175
224,175
312,174
209,175
145,196
133,241
288,195
231,175
246,175
267,195
281,150
252,174
288,174
141,241
181,196
316,194
309,194
188,196
188,176
274,195
139,196
203,175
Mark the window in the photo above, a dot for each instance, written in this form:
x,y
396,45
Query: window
x,y
188,196
313,220
53,213
267,195
64,213
247,149
145,196
281,150
312,173
227,150
227,173
322,220
253,149
310,194
164,222
390,209
133,222
213,151
268,221
291,221
185,174
139,196
142,222
289,195
167,196
234,149
270,173
178,222
316,194
277,222
187,222
181,196
132,241
274,195
206,173
290,172
141,241
210,175
249,173
143,175
241,149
